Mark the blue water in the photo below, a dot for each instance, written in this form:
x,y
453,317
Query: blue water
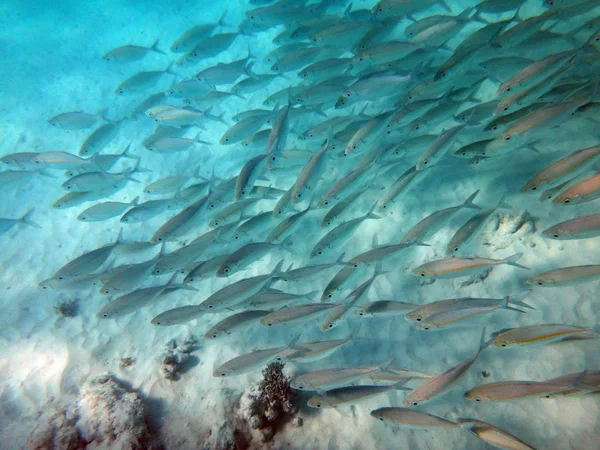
x,y
52,63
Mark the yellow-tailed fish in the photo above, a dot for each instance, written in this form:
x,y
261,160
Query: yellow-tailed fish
x,y
584,191
583,227
508,390
561,167
538,334
411,418
493,435
566,276
297,313
351,394
460,267
331,377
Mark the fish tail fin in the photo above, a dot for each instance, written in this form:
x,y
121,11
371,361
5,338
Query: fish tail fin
x,y
277,272
120,239
135,201
512,261
248,70
287,244
469,202
26,219
400,386
126,153
445,5
371,214
169,69
221,23
155,48
340,259
379,270
517,299
482,342
294,341
317,110
502,204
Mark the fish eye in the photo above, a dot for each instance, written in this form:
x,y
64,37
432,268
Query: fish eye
x,y
567,200
455,249
320,252
300,387
507,138
426,328
269,324
419,319
477,400
159,239
329,223
299,195
318,405
555,235
533,188
61,278
355,265
360,313
223,374
44,287
503,345
105,315
210,306
422,274
381,418
508,89
226,270
415,403
505,108
326,203
384,206
540,283
158,323
444,74
330,325
107,291
157,271
329,296
425,162
360,59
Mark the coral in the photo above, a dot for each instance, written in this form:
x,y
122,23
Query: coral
x,y
55,431
68,308
106,416
126,362
175,357
267,407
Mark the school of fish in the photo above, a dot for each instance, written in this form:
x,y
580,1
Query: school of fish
x,y
359,107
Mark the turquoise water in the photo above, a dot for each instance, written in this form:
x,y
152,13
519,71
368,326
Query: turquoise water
x,y
53,64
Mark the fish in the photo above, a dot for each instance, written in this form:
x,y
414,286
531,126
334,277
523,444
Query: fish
x,y
431,224
438,148
311,173
94,181
209,47
241,290
271,298
508,390
205,269
297,313
350,394
584,191
88,262
136,300
255,228
469,230
234,323
410,418
142,80
332,217
251,171
99,138
193,36
406,181
583,227
384,308
250,361
378,253
245,256
566,276
493,435
178,316
561,167
308,272
328,377
340,234
131,53
439,384
131,277
313,351
339,282
105,211
447,313
181,223
459,267
7,224
536,334
283,229
75,120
